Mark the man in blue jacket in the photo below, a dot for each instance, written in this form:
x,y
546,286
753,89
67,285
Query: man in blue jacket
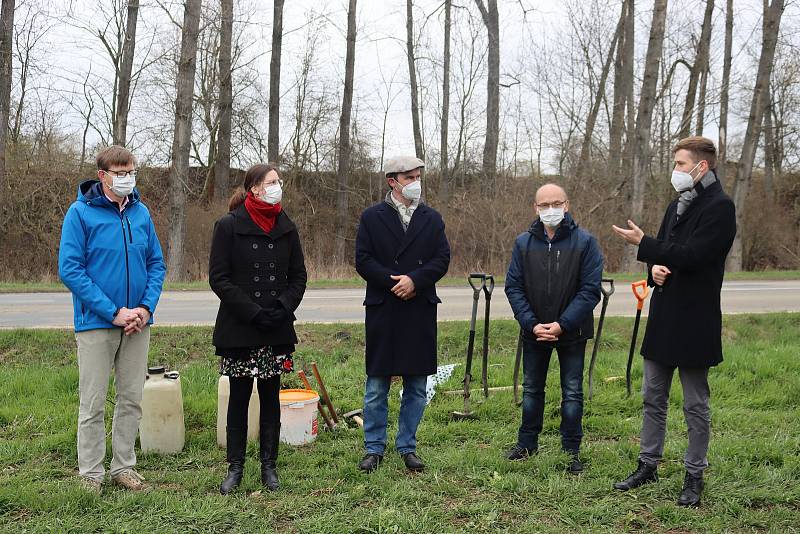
x,y
110,259
553,284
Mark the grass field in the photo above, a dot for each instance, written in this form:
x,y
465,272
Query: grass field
x,y
753,483
202,285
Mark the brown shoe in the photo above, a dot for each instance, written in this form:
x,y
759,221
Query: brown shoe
x,y
92,485
130,480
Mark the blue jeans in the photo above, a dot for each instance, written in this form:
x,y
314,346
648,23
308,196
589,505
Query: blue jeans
x,y
535,361
376,413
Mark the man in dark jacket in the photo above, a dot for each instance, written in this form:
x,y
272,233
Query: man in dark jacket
x,y
401,251
110,259
686,263
553,284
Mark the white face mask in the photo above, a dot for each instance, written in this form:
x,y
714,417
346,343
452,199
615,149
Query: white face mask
x,y
272,194
683,181
122,185
552,217
412,191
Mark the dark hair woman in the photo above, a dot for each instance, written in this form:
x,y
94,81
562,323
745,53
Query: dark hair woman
x,y
257,270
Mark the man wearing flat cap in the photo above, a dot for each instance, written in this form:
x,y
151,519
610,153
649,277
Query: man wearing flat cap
x,y
401,251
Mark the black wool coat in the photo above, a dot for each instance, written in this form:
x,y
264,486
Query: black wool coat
x,y
250,270
684,327
401,334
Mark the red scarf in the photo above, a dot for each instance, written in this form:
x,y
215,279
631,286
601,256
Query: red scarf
x,y
263,214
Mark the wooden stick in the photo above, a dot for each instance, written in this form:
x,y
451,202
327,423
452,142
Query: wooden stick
x,y
327,419
324,392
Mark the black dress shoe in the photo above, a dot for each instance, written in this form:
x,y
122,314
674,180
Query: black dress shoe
x,y
692,489
575,466
370,462
519,453
413,463
644,474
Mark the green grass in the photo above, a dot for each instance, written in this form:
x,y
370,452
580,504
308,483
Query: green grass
x,y
753,483
344,283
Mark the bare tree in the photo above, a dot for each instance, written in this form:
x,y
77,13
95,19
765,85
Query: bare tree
x,y
618,110
124,75
273,134
644,117
491,19
6,35
724,93
698,69
179,169
444,171
591,119
412,80
222,163
769,39
345,148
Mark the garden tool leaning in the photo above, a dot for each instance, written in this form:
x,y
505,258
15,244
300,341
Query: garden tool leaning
x,y
606,294
477,282
640,292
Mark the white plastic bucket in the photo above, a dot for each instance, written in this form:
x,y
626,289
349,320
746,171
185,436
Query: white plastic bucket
x,y
298,416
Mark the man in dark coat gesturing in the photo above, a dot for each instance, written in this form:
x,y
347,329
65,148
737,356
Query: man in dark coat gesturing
x,y
401,251
686,264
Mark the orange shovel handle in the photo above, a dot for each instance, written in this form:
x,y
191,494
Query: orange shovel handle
x,y
640,292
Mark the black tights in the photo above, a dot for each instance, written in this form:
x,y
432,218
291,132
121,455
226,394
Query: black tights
x,y
270,407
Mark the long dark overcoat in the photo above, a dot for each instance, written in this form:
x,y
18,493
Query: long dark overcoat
x,y
684,327
250,270
401,334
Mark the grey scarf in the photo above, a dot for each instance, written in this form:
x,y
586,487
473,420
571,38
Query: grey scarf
x,y
687,197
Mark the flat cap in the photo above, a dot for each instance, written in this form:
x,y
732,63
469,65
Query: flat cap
x,y
402,164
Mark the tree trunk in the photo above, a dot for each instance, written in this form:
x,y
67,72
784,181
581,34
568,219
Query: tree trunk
x,y
769,150
701,101
444,171
618,109
412,80
273,135
629,63
491,20
179,170
724,94
124,75
222,163
644,117
769,39
586,146
6,36
699,67
343,167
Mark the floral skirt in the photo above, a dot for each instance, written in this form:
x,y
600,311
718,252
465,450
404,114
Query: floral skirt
x,y
261,362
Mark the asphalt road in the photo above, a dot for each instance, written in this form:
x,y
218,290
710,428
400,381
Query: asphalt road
x,y
54,310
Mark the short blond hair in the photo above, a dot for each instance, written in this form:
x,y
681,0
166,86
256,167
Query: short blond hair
x,y
114,155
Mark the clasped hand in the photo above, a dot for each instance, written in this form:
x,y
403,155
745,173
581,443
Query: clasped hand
x,y
132,320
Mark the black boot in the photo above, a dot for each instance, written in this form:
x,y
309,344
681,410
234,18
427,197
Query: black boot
x,y
644,474
236,449
269,438
692,490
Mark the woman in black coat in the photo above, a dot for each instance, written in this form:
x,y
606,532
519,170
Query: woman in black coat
x,y
257,270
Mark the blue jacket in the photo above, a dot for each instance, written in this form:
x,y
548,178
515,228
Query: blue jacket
x,y
109,259
555,280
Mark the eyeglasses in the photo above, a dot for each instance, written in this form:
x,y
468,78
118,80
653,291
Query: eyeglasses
x,y
131,174
547,205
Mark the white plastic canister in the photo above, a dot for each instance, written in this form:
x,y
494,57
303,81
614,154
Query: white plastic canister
x,y
253,411
161,428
